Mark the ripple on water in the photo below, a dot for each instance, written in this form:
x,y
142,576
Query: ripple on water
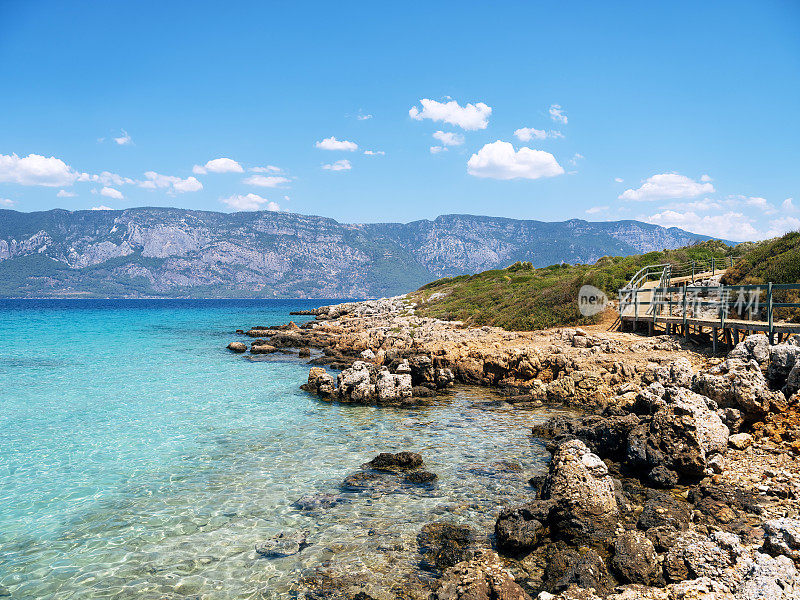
x,y
137,471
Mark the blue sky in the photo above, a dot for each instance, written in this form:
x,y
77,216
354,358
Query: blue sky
x,y
678,113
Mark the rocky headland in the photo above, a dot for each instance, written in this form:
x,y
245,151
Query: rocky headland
x,y
678,480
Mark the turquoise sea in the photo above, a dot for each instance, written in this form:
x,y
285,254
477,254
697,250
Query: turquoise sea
x,y
140,459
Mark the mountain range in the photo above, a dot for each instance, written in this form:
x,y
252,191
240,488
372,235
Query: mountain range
x,y
171,252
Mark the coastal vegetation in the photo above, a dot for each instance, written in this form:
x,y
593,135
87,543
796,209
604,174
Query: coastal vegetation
x,y
523,298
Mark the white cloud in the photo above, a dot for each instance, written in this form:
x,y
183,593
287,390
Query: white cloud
x,y
363,117
250,202
267,169
705,178
787,205
339,165
332,143
526,134
35,169
174,185
596,209
102,207
730,225
575,158
759,203
619,179
498,160
106,178
124,139
438,149
666,186
66,194
270,181
449,138
218,165
110,192
374,152
557,114
469,117
6,202
782,225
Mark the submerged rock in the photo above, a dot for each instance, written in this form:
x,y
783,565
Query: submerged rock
x,y
444,545
318,501
282,545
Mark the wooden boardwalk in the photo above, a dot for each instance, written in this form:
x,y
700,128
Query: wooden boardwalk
x,y
677,305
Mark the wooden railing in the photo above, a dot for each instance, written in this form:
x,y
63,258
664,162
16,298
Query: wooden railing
x,y
691,304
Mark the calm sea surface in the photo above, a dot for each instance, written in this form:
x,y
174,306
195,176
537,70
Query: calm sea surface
x,y
140,459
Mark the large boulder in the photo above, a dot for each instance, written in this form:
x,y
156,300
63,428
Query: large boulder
x,y
394,387
582,492
682,436
605,436
237,347
753,347
357,384
738,384
782,359
519,529
320,382
635,559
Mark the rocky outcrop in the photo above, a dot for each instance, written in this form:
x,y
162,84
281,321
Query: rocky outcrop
x,y
741,385
582,492
682,436
237,347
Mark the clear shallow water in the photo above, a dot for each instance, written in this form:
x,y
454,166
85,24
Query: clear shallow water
x,y
140,459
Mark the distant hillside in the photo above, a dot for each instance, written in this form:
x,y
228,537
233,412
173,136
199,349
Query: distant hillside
x,y
183,253
522,297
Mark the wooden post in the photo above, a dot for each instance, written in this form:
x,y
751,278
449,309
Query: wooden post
x,y
714,339
685,331
769,312
735,336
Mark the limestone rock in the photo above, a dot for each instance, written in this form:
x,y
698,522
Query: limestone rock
x,y
740,441
681,436
579,484
738,384
782,536
754,347
520,528
635,559
482,578
237,347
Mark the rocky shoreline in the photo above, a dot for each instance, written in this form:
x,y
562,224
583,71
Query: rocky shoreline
x,y
680,481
